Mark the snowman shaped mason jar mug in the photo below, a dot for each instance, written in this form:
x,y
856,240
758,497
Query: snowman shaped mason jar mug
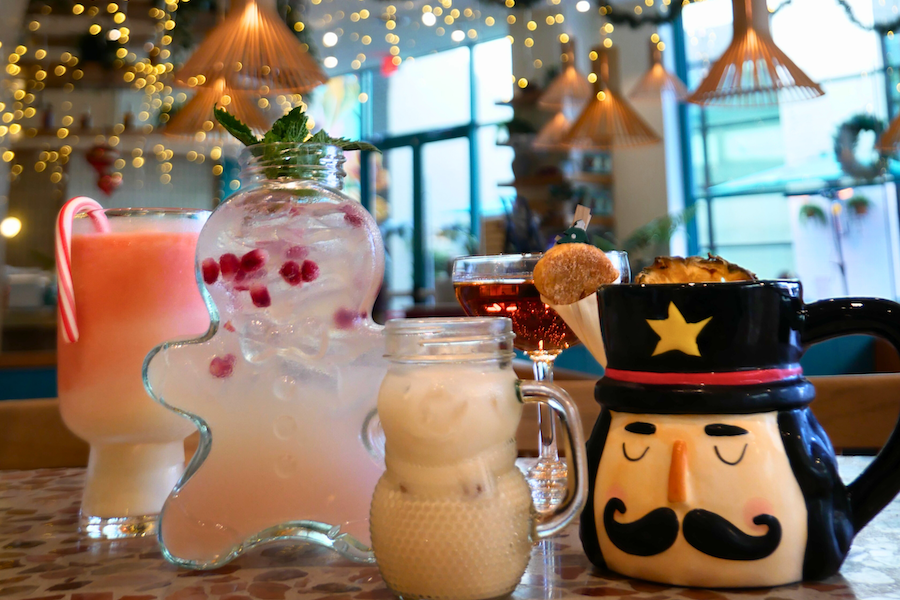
x,y
452,516
706,466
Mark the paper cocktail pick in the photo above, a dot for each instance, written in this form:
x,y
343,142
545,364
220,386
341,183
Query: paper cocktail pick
x,y
583,317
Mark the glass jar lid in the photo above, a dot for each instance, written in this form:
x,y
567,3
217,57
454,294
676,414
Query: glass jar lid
x,y
449,339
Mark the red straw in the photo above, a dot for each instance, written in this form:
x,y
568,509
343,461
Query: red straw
x,y
67,214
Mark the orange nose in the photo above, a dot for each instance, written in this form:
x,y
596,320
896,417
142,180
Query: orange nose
x,y
678,473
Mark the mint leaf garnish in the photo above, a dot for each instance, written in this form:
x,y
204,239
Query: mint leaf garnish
x,y
291,128
345,144
235,127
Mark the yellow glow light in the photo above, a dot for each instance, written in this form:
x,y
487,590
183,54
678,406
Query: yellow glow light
x,y
522,83
654,38
607,43
10,227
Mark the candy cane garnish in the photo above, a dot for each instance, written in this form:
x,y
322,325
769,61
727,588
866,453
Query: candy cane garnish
x,y
64,257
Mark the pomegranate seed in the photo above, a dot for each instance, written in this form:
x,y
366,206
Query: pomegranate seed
x,y
297,252
352,216
230,265
222,367
344,318
260,295
253,260
309,270
210,269
290,270
228,326
240,281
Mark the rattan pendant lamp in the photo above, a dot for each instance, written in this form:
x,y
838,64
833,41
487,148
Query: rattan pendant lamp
x,y
570,89
753,71
608,121
197,114
250,49
657,80
550,137
889,141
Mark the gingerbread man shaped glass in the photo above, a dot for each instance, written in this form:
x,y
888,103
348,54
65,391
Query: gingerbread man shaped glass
x,y
284,384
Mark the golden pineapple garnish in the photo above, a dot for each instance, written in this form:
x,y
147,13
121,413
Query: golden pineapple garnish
x,y
694,269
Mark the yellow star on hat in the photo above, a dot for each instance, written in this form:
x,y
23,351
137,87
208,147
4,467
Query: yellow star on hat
x,y
677,334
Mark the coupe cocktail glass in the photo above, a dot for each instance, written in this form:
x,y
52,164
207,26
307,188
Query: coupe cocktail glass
x,y
503,286
135,287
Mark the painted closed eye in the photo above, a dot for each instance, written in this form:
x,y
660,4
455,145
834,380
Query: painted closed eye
x,y
640,428
643,454
724,430
731,462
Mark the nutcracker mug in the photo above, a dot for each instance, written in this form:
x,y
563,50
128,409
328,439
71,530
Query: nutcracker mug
x,y
706,466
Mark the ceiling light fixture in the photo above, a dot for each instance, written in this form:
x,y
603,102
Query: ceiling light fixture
x,y
753,71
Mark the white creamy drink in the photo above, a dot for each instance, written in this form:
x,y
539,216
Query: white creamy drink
x,y
452,515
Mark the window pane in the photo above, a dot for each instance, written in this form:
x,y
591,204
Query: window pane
x,y
494,167
493,80
394,201
768,261
431,92
762,219
446,165
335,108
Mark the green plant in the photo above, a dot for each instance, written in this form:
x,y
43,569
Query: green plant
x,y
811,213
453,237
860,205
647,236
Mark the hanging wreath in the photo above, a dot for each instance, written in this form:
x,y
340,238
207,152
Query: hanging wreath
x,y
845,141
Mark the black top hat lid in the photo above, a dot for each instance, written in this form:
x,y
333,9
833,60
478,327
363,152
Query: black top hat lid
x,y
702,347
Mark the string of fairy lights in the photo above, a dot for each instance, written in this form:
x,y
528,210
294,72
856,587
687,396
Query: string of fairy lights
x,y
148,69
59,132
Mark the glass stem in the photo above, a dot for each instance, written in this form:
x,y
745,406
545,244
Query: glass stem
x,y
542,364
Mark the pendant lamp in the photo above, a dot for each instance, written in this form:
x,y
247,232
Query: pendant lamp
x,y
570,89
197,114
889,141
658,80
550,137
250,49
608,121
753,71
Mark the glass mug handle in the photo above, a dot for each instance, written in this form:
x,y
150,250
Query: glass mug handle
x,y
372,436
559,401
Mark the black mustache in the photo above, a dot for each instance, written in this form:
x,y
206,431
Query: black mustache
x,y
716,536
652,534
706,531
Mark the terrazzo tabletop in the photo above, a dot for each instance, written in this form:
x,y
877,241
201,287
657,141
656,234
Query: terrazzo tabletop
x,y
43,557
